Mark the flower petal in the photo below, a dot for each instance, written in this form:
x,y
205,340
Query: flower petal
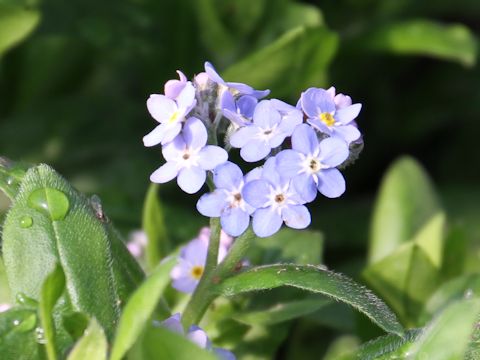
x,y
246,104
289,163
212,74
191,179
320,126
342,101
212,204
305,186
174,149
155,136
331,183
171,131
195,133
266,222
173,323
185,284
186,97
345,115
199,337
211,156
227,176
161,107
234,221
347,133
256,193
243,135
316,101
304,139
265,115
296,216
255,150
165,173
333,151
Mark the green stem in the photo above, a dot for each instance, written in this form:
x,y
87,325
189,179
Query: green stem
x,y
204,293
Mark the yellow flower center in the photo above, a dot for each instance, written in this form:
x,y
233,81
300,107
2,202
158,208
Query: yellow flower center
x,y
197,272
327,118
173,117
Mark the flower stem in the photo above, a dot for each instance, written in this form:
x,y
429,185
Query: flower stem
x,y
204,293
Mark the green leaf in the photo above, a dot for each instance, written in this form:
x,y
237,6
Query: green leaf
x,y
51,291
75,324
16,23
303,54
342,348
317,280
407,277
17,335
281,312
162,344
423,37
49,223
153,223
11,175
140,308
92,345
405,203
448,336
389,346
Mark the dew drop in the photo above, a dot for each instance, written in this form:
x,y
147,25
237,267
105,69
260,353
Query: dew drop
x,y
10,181
468,294
26,222
40,335
51,202
24,300
16,322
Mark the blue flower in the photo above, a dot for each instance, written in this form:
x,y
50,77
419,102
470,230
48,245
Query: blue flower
x,y
276,202
188,157
239,111
268,130
312,164
170,113
196,335
329,118
226,201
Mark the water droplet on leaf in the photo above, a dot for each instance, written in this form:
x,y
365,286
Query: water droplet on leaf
x,y
51,202
26,222
16,322
40,335
24,300
468,294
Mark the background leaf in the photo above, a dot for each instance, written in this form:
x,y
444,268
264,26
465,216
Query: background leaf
x,y
16,23
92,345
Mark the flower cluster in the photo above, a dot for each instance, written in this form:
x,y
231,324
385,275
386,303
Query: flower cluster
x,y
303,147
196,335
191,261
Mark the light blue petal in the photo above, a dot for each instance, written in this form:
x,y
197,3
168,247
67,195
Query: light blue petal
x,y
185,284
173,323
265,115
212,74
191,179
347,133
316,101
255,150
155,136
331,183
320,126
243,135
289,163
246,105
199,337
333,151
171,131
305,186
234,221
277,139
345,115
212,204
304,139
211,156
165,173
228,102
270,172
186,97
224,354
296,216
195,133
266,222
227,176
256,193
161,107
174,149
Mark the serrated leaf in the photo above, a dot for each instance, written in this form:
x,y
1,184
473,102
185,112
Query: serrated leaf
x,y
52,289
281,312
302,53
407,277
424,37
405,203
92,345
448,336
16,23
140,308
317,280
153,223
49,223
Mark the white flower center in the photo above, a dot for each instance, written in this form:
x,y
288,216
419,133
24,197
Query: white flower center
x,y
189,158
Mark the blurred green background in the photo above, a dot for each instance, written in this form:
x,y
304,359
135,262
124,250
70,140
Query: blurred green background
x,y
75,75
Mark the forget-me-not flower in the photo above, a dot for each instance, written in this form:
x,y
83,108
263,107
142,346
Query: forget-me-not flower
x,y
226,201
188,157
169,112
322,112
239,111
268,130
312,164
276,201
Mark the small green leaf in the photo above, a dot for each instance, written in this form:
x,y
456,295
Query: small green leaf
x,y
407,277
11,175
140,308
16,23
448,336
423,37
389,346
51,291
75,324
282,312
405,203
295,61
92,345
317,280
342,348
153,223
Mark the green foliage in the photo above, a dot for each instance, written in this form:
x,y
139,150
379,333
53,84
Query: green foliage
x,y
16,23
92,345
317,280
